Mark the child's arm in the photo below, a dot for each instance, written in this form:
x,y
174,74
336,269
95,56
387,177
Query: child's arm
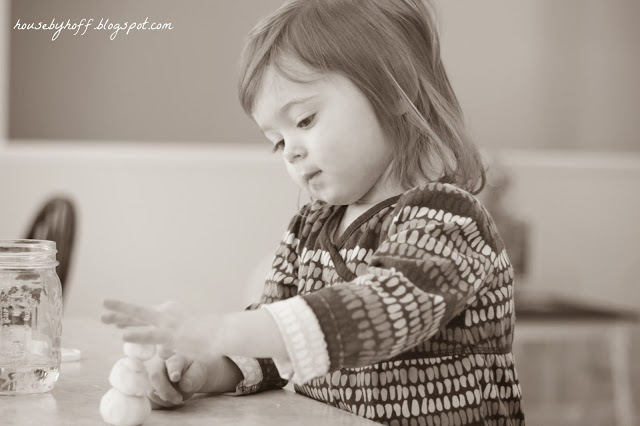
x,y
200,343
178,378
251,333
440,255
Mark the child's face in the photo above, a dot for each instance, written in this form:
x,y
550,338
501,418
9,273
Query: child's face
x,y
332,143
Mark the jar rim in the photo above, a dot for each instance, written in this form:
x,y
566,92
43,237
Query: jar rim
x,y
27,242
27,253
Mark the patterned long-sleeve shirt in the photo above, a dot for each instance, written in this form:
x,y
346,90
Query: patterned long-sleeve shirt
x,y
406,318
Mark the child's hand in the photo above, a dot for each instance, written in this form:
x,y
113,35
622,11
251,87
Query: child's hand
x,y
169,325
174,380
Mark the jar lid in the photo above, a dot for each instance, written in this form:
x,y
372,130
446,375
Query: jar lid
x,y
27,254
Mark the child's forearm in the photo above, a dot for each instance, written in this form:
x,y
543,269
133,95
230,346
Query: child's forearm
x,y
223,375
247,333
251,334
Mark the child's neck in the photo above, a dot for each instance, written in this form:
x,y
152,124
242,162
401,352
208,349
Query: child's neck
x,y
385,188
351,213
354,211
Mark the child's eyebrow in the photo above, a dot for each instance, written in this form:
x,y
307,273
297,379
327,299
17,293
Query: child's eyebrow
x,y
287,106
293,102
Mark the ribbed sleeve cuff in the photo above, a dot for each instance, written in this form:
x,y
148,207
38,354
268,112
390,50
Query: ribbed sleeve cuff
x,y
303,339
251,372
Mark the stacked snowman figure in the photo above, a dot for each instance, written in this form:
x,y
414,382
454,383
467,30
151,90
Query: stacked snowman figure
x,y
126,403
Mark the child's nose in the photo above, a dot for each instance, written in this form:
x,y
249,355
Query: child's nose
x,y
294,151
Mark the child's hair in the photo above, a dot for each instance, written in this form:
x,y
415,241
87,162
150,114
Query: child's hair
x,y
390,50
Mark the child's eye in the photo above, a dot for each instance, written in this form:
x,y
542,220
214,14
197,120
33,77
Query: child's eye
x,y
307,121
278,147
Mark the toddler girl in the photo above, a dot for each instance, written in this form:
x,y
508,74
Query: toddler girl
x,y
391,294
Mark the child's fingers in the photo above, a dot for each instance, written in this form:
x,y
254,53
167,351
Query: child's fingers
x,y
120,320
161,384
164,352
147,335
113,318
137,312
129,324
158,403
176,364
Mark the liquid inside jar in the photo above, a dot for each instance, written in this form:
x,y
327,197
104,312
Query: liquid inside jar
x,y
30,327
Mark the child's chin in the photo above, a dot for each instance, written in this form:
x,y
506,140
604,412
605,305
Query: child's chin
x,y
331,195
336,200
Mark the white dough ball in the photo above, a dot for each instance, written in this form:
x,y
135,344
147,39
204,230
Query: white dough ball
x,y
119,409
130,377
140,351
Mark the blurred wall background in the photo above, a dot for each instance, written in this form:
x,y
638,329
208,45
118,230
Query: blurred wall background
x,y
531,74
179,198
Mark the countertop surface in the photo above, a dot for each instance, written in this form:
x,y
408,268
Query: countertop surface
x,y
75,399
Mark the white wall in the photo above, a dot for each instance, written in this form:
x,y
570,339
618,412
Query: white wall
x,y
582,209
496,57
544,73
194,223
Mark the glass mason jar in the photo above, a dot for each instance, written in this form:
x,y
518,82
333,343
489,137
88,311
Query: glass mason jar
x,y
30,316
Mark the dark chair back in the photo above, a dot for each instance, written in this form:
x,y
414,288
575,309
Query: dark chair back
x,y
56,221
